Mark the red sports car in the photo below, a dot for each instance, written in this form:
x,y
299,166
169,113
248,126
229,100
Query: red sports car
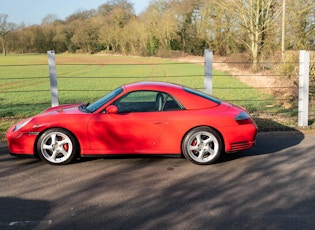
x,y
138,118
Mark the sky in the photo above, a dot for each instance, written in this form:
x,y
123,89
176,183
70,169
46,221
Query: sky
x,y
33,11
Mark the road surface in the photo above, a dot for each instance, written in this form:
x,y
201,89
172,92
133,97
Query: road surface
x,y
271,186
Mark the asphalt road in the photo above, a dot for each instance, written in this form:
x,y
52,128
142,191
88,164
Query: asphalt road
x,y
271,186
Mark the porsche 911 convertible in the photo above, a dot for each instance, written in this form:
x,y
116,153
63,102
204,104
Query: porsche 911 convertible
x,y
153,118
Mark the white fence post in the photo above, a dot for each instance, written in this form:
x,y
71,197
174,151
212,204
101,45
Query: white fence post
x,y
304,88
208,71
53,78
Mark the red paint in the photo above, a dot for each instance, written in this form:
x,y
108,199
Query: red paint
x,y
106,131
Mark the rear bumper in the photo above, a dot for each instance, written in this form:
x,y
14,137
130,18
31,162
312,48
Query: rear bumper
x,y
240,137
241,145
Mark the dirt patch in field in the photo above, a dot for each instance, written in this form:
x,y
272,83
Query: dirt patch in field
x,y
267,82
103,59
282,88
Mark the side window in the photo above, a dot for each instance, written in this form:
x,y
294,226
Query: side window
x,y
138,101
171,104
146,101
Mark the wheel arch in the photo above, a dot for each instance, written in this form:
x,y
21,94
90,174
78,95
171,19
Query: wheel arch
x,y
201,126
55,127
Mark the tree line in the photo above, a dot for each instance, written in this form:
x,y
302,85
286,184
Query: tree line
x,y
170,27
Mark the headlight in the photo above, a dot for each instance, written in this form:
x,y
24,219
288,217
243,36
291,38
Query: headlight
x,y
22,124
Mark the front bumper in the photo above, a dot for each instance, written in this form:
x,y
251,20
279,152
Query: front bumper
x,y
21,142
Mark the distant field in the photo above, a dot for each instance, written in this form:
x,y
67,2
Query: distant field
x,y
24,81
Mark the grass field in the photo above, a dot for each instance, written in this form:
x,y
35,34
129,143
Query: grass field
x,y
25,84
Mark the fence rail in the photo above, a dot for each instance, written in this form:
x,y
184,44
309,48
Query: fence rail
x,y
281,106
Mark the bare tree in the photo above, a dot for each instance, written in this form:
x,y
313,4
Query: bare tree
x,y
86,36
225,26
255,18
218,29
113,17
300,24
5,28
160,23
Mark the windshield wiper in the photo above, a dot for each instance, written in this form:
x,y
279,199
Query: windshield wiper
x,y
83,107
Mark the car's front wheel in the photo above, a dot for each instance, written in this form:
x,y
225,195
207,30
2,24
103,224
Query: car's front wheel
x,y
57,146
202,145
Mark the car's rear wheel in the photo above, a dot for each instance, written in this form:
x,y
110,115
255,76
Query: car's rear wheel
x,y
57,146
202,145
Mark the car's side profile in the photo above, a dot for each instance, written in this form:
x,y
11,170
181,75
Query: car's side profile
x,y
137,118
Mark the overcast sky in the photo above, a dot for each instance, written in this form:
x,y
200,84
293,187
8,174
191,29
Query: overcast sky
x,y
33,11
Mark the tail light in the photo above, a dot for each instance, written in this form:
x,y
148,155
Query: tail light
x,y
243,118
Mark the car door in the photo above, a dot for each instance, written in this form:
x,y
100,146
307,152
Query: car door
x,y
136,128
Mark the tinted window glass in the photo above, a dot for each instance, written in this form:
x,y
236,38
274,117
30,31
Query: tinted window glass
x,y
201,94
99,103
146,101
171,104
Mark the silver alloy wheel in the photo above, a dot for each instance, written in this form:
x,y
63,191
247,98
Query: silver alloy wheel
x,y
56,147
202,145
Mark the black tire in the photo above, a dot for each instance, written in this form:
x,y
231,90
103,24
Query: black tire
x,y
57,146
202,146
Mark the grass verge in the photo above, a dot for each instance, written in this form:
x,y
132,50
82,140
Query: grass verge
x,y
25,84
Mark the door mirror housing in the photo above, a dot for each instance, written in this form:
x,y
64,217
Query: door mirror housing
x,y
112,109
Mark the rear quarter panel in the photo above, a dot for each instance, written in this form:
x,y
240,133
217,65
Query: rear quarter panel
x,y
180,122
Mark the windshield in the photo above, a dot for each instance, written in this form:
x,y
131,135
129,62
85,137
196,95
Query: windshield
x,y
97,104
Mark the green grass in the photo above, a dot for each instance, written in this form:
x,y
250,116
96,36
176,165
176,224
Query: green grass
x,y
25,85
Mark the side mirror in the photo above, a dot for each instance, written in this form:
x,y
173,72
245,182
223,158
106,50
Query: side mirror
x,y
112,109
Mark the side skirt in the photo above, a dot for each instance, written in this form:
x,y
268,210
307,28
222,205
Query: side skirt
x,y
132,155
